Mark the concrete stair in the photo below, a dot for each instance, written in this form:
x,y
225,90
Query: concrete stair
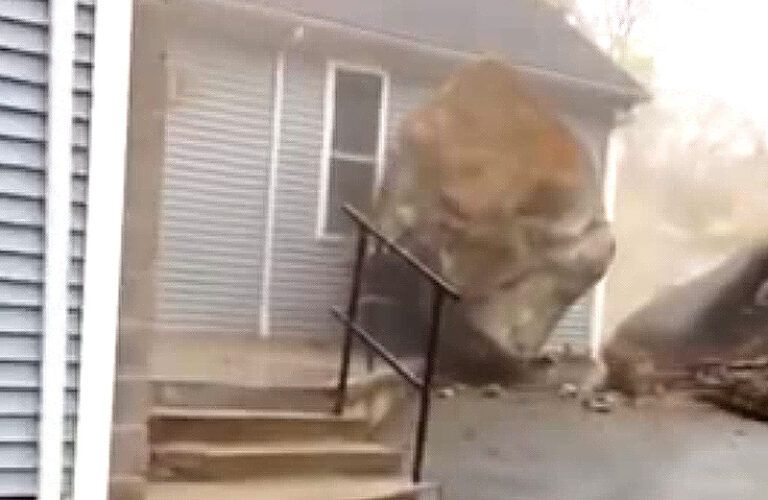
x,y
219,440
200,391
318,487
195,461
236,425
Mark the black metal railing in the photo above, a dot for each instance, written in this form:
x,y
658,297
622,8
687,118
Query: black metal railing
x,y
441,289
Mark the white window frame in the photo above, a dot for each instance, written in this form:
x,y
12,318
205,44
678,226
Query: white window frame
x,y
329,120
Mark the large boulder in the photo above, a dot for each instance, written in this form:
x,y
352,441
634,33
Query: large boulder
x,y
720,314
501,198
396,308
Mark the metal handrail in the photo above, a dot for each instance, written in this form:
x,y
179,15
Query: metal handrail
x,y
379,349
411,259
441,289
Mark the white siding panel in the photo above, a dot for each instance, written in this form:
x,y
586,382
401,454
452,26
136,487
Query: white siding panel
x,y
23,74
84,18
573,327
311,275
23,67
82,77
214,191
14,152
81,107
308,276
35,11
24,240
27,97
23,125
20,35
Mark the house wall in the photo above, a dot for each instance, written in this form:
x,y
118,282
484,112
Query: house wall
x,y
307,274
23,140
216,182
214,195
81,108
310,274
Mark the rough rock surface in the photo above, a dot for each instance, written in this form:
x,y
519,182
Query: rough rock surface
x,y
492,190
722,314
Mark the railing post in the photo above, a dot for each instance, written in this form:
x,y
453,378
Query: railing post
x,y
426,389
369,361
346,352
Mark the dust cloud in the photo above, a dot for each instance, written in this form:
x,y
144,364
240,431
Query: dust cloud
x,y
691,187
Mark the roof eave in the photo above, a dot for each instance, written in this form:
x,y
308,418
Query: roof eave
x,y
625,96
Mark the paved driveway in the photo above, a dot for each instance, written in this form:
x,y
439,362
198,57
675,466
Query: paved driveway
x,y
535,446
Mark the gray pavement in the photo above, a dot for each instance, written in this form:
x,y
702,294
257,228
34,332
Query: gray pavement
x,y
536,446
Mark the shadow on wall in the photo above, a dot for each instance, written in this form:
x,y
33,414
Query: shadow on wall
x,y
692,186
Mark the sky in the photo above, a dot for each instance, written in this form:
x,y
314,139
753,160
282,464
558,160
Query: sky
x,y
707,47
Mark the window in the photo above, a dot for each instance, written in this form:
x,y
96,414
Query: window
x,y
354,146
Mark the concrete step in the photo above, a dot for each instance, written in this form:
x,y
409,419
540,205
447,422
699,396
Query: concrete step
x,y
203,461
237,425
230,395
196,392
322,487
123,487
249,358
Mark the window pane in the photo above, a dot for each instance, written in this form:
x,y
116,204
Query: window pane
x,y
349,182
358,98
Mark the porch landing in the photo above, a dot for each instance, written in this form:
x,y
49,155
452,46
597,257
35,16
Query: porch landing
x,y
307,488
248,359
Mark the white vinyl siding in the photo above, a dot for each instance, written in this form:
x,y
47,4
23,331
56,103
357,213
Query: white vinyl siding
x,y
23,115
573,327
23,82
309,275
214,197
81,110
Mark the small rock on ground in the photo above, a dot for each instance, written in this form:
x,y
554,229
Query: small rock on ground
x,y
446,393
568,390
459,387
601,403
469,434
492,391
